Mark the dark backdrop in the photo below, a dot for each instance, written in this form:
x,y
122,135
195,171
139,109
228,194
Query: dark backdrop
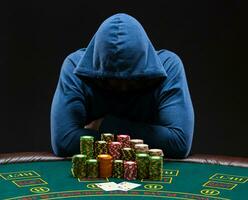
x,y
36,36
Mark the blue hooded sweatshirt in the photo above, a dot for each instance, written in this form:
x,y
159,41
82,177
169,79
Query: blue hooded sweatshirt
x,y
120,49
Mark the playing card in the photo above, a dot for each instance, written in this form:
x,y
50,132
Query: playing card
x,y
109,186
125,186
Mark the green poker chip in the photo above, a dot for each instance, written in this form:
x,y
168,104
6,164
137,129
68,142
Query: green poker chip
x,y
78,169
155,167
101,148
118,169
143,161
127,154
87,146
92,168
108,137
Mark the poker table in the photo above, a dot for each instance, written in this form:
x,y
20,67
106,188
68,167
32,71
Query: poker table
x,y
40,175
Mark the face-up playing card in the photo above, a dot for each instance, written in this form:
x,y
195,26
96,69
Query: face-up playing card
x,y
110,186
125,186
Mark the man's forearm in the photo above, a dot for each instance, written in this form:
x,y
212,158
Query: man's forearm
x,y
174,141
67,143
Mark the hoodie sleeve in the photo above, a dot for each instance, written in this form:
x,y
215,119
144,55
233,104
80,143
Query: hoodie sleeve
x,y
172,129
68,112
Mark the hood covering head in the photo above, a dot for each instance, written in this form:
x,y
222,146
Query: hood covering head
x,y
120,49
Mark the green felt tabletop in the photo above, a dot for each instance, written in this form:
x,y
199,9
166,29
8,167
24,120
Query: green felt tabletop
x,y
53,180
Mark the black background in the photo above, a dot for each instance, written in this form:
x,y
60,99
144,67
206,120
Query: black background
x,y
36,36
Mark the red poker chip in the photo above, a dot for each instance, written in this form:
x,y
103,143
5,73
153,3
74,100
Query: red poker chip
x,y
130,170
124,139
115,150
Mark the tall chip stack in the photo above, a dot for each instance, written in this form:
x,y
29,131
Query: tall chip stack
x,y
114,150
156,152
142,160
92,168
127,154
105,165
108,137
124,140
118,169
156,168
86,146
130,170
79,166
100,148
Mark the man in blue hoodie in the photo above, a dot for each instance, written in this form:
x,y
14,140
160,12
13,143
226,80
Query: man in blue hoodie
x,y
121,84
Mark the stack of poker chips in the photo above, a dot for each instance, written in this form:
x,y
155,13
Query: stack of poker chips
x,y
108,137
130,170
141,148
86,146
115,150
124,140
92,169
105,165
155,152
118,169
155,167
101,148
125,158
142,160
127,154
79,166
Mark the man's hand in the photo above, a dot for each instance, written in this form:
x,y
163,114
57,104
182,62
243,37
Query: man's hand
x,y
94,125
